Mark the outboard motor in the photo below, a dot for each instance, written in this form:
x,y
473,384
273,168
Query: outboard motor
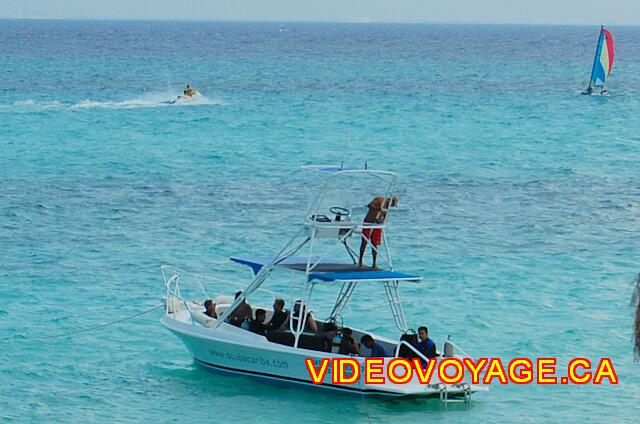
x,y
447,349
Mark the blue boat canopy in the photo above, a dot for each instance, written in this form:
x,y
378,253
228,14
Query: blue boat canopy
x,y
328,270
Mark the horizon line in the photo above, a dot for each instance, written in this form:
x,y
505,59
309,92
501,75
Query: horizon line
x,y
364,21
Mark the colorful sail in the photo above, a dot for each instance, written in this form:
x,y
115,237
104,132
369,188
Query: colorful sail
x,y
603,61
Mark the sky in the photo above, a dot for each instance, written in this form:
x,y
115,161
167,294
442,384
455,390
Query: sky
x,y
571,12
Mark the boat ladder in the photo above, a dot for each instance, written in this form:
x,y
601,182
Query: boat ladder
x,y
391,289
444,393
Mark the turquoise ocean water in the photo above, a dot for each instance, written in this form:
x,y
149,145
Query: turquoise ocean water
x,y
520,203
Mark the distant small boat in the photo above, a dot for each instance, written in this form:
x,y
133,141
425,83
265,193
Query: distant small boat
x,y
190,94
602,63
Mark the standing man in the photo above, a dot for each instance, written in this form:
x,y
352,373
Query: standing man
x,y
376,215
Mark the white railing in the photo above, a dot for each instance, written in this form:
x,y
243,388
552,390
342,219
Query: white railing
x,y
173,295
175,279
344,225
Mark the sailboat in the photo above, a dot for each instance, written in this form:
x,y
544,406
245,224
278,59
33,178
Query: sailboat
x,y
602,63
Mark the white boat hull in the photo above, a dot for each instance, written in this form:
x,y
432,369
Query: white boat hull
x,y
229,349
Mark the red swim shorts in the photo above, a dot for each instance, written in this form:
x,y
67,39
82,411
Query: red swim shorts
x,y
373,234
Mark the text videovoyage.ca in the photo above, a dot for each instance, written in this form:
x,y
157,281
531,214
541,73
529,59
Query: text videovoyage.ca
x,y
457,370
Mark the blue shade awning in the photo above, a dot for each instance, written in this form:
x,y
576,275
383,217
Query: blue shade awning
x,y
357,276
327,269
293,262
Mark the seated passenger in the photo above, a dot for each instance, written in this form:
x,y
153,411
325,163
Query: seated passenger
x,y
241,313
310,323
246,323
210,308
426,346
330,332
348,345
257,325
279,315
377,351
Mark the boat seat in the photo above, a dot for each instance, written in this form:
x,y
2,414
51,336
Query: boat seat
x,y
281,337
404,351
307,340
202,319
313,342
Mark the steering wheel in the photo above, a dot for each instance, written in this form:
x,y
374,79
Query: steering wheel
x,y
338,211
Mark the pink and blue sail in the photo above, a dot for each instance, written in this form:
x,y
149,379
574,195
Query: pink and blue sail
x,y
603,61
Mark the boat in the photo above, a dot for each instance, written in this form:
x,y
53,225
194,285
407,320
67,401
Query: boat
x,y
318,259
189,95
602,64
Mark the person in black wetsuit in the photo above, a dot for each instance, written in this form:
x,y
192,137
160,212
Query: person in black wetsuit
x,y
426,346
279,315
257,325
